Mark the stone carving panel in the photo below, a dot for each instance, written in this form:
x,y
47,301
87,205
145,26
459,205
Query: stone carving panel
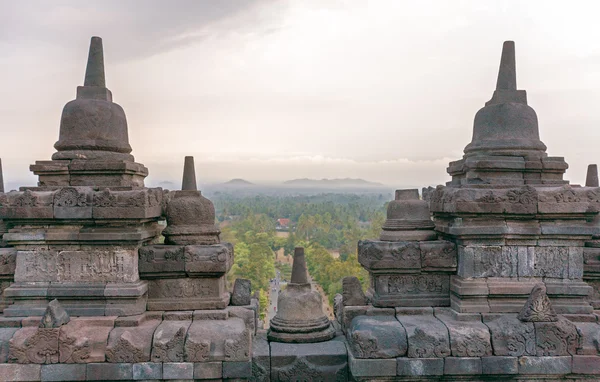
x,y
34,345
557,338
168,343
214,259
374,254
438,255
551,262
412,284
161,259
511,337
488,261
427,336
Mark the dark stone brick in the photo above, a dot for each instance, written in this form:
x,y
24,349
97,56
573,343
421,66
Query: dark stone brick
x,y
64,372
545,365
499,365
109,371
586,364
208,370
462,365
147,370
178,370
237,369
18,372
420,366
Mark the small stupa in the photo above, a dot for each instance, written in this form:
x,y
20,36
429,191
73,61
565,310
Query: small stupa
x,y
591,179
408,218
190,216
300,316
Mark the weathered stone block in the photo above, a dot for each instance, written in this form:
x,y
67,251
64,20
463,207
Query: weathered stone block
x,y
5,335
377,337
17,372
589,338
214,259
371,367
63,372
237,369
427,336
586,364
352,293
8,262
411,290
551,262
200,315
209,370
247,315
116,265
147,370
499,365
34,345
467,338
374,254
545,365
487,261
218,340
161,260
420,366
169,338
187,294
462,365
241,292
261,358
83,339
558,338
131,344
109,372
325,361
512,337
178,370
438,255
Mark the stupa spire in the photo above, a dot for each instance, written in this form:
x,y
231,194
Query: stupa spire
x,y
591,180
189,175
507,73
94,72
299,274
1,178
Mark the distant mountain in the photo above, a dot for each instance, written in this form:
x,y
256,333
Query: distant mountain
x,y
333,183
238,182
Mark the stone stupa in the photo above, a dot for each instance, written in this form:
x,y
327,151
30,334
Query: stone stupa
x,y
300,317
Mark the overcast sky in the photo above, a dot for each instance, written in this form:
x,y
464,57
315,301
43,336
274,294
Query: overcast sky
x,y
274,90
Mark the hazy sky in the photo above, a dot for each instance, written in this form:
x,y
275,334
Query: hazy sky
x,y
275,90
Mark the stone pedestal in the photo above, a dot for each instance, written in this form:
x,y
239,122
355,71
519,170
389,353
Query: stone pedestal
x,y
408,273
79,244
515,221
186,277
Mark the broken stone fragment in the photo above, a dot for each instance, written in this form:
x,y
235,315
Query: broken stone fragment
x,y
55,316
352,293
241,292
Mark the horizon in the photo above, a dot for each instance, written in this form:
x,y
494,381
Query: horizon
x,y
271,91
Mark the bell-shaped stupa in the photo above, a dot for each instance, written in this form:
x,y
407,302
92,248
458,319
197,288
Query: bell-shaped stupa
x,y
300,316
190,216
92,126
506,149
93,145
506,124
